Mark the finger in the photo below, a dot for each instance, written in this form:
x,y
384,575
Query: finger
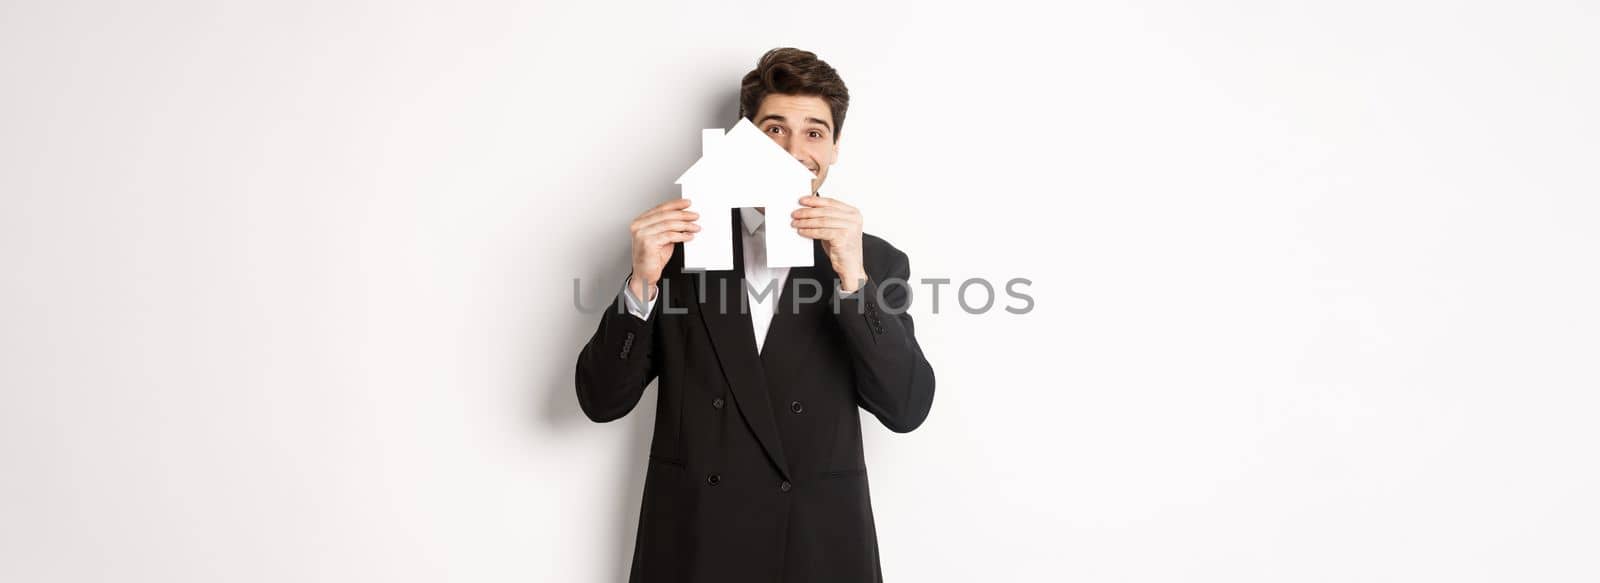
x,y
644,223
667,212
668,238
809,212
673,216
674,204
669,226
820,201
820,223
671,205
820,234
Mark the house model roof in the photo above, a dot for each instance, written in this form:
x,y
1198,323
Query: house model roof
x,y
742,154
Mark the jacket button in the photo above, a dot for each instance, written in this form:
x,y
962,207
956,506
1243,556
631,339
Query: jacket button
x,y
627,345
785,486
714,479
717,402
796,407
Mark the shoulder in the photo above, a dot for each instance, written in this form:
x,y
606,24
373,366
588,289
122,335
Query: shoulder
x,y
883,260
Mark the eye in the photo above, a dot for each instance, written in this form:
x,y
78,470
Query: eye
x,y
816,134
775,129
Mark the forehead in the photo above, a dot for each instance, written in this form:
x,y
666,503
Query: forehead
x,y
795,107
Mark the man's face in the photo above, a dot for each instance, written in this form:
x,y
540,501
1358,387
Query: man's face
x,y
803,125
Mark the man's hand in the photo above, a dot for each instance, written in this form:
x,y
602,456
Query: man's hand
x,y
654,234
838,226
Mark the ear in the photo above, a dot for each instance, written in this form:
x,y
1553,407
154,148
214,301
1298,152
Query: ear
x,y
835,154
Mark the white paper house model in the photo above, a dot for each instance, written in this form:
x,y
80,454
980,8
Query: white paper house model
x,y
744,168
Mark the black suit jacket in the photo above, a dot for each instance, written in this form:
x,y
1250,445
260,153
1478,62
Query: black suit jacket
x,y
756,471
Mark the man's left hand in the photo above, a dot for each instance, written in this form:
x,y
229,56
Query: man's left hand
x,y
838,226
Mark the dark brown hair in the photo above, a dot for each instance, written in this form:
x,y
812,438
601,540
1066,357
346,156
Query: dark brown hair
x,y
791,71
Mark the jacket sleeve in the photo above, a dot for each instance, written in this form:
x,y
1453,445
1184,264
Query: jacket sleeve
x,y
893,379
617,363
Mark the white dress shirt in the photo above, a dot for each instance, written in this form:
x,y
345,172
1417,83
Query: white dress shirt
x,y
762,284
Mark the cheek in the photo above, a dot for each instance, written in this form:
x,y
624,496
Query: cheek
x,y
823,154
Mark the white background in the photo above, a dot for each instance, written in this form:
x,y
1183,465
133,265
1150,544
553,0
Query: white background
x,y
288,286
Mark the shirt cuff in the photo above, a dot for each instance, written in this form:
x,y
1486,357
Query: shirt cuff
x,y
639,308
838,288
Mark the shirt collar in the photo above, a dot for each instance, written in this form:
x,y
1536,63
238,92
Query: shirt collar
x,y
752,219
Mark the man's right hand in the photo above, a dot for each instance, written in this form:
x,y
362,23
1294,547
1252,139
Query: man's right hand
x,y
654,234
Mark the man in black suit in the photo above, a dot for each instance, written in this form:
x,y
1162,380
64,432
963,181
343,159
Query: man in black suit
x,y
756,472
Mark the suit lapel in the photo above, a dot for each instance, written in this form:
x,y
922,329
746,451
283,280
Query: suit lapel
x,y
794,326
725,315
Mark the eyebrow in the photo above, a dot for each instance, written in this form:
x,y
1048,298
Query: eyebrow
x,y
774,116
820,123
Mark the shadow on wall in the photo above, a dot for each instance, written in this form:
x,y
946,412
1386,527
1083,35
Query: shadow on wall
x,y
601,279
